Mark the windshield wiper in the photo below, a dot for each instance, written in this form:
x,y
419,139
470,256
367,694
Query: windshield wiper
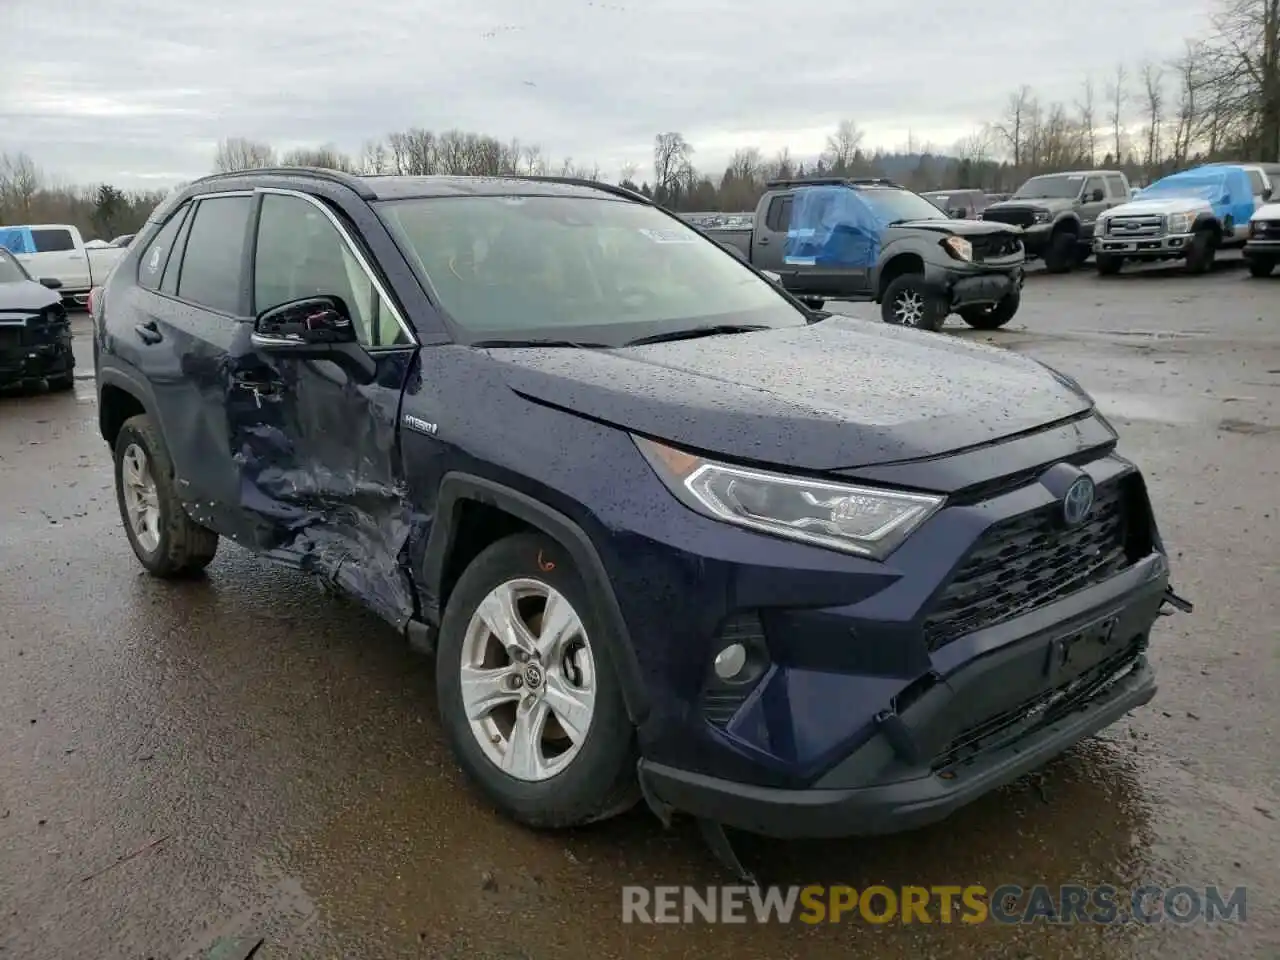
x,y
580,344
695,332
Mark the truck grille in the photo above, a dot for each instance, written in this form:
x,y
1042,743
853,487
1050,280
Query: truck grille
x,y
1267,228
10,339
1030,560
1135,226
1018,216
995,247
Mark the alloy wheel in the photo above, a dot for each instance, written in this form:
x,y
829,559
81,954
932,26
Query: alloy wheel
x,y
141,499
908,308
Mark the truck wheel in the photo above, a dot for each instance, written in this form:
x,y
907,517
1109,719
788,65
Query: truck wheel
x,y
61,383
167,541
1108,266
910,302
1060,257
528,695
994,316
1201,252
1261,268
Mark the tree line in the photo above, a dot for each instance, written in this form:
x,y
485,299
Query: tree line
x,y
1219,99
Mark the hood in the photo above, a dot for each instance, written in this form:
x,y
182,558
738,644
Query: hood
x,y
963,228
839,394
26,296
1268,211
1053,205
1158,205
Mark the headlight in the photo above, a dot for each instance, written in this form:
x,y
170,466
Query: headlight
x,y
865,521
1253,228
1180,222
1041,216
958,247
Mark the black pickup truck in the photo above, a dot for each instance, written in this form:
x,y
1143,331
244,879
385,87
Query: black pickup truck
x,y
874,240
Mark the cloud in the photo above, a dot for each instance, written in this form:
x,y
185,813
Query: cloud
x,y
126,92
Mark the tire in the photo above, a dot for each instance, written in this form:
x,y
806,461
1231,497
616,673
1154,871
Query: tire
x,y
1083,253
1108,266
593,778
994,316
1201,252
61,383
1261,268
181,546
910,296
1060,257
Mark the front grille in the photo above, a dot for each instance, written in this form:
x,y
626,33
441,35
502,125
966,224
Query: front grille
x,y
995,247
1030,560
1046,707
10,338
1018,216
1269,228
1135,226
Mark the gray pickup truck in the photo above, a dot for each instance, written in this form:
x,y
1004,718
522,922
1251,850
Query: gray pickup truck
x,y
1058,211
873,240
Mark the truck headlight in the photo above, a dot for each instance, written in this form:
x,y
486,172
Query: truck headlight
x,y
958,247
866,521
1041,216
1180,222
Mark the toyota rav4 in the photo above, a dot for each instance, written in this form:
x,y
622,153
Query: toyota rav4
x,y
666,532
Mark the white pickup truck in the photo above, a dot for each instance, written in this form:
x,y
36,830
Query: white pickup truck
x,y
58,251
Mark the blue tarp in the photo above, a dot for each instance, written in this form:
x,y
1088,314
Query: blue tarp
x,y
17,239
832,227
1226,189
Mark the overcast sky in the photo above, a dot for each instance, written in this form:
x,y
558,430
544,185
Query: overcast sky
x,y
137,92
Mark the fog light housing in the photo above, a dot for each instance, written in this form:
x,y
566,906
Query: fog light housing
x,y
739,660
730,661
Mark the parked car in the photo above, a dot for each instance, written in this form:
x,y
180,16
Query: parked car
x,y
649,514
840,239
1057,212
57,250
1185,216
1262,249
35,334
961,204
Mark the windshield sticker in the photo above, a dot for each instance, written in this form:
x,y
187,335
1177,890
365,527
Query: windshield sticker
x,y
669,236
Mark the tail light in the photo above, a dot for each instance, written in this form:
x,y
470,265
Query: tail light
x,y
92,302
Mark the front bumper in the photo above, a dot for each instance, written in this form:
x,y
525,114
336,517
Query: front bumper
x,y
1035,238
975,284
36,362
1172,245
1262,250
1079,666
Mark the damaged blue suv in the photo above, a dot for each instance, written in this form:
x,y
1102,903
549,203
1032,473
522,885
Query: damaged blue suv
x,y
667,532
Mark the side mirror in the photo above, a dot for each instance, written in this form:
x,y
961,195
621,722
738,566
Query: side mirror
x,y
314,328
733,250
1266,193
1098,195
53,283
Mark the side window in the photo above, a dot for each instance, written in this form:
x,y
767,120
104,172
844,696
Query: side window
x,y
214,255
151,266
1116,189
1256,182
778,216
52,241
169,284
300,254
1092,184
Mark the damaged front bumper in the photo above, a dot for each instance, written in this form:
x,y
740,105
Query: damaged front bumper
x,y
978,284
35,362
991,721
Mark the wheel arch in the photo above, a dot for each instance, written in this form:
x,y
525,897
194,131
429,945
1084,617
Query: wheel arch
x,y
120,397
461,492
900,263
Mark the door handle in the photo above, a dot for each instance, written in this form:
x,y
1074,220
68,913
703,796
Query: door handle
x,y
148,332
763,241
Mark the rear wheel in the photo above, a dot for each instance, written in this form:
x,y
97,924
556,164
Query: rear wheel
x,y
167,542
1061,255
61,383
1261,268
1107,265
911,302
1200,253
995,315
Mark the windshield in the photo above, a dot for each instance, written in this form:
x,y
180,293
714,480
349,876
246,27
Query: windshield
x,y
11,271
1195,188
891,204
576,268
1060,186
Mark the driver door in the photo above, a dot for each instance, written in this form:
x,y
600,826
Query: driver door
x,y
319,451
1092,202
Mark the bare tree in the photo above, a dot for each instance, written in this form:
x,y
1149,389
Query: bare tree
x,y
1088,129
671,154
1012,129
241,153
1117,97
627,173
327,156
19,182
842,147
1189,122
1243,59
1153,107
374,158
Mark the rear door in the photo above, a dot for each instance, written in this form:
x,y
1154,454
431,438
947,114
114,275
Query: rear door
x,y
769,238
192,327
59,252
318,452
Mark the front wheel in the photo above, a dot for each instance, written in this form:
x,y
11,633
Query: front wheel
x,y
167,542
529,698
1107,265
1261,268
995,315
911,302
1062,252
1200,253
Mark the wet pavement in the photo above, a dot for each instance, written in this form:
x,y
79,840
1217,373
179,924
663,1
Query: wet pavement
x,y
248,756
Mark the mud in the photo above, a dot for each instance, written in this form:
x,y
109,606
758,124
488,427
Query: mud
x,y
247,756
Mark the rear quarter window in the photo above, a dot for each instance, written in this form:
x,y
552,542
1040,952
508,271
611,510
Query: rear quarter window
x,y
52,241
213,261
155,258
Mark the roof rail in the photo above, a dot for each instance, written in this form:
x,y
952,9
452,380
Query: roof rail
x,y
348,180
612,188
833,182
